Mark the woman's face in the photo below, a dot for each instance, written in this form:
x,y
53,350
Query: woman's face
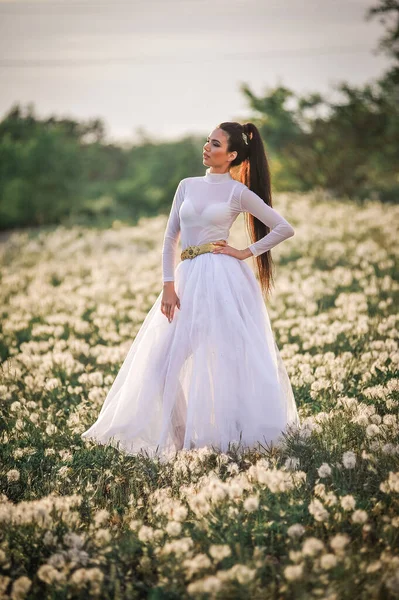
x,y
215,151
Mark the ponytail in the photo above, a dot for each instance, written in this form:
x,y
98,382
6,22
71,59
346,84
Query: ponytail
x,y
255,174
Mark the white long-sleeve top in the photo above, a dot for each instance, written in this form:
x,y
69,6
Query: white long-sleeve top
x,y
204,209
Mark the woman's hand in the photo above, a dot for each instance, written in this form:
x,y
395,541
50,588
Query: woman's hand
x,y
223,248
169,300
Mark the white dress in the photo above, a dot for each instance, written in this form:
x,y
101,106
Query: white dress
x,y
213,375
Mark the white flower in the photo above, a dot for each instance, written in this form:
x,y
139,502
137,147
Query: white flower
x,y
320,490
359,516
391,484
374,566
49,575
219,551
101,516
180,513
146,533
20,588
242,573
52,384
13,475
348,502
232,512
295,556
49,538
317,509
251,503
328,561
135,524
349,460
57,560
233,469
296,530
102,536
73,540
372,430
389,420
293,572
197,563
178,547
173,528
324,470
339,541
208,585
330,499
389,448
312,546
63,471
79,577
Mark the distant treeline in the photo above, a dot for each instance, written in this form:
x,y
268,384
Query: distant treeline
x,y
53,170
60,170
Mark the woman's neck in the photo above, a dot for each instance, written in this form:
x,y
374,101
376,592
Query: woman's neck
x,y
212,177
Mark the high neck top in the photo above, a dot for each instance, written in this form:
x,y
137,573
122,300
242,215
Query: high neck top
x,y
217,177
203,213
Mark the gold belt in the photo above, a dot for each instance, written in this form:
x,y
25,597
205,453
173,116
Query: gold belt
x,y
193,251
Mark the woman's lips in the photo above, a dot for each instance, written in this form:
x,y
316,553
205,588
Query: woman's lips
x,y
205,155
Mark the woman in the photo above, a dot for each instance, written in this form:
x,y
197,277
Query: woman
x,y
204,368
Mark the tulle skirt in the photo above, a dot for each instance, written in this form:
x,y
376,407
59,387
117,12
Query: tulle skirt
x,y
212,377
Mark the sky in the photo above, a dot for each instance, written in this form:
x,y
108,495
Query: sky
x,y
174,67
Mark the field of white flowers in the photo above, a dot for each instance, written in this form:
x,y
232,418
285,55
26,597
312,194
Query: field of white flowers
x,y
316,517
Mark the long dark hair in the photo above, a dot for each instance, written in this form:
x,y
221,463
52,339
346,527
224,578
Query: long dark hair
x,y
255,174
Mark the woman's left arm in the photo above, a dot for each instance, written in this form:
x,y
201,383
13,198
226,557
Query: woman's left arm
x,y
280,228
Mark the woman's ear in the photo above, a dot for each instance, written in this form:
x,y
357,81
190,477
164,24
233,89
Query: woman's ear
x,y
234,155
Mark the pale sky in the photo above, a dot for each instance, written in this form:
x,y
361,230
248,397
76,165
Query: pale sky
x,y
174,67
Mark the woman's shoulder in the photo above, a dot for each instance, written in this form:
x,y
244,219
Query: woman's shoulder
x,y
239,185
183,183
192,179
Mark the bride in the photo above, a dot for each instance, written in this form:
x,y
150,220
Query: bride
x,y
204,368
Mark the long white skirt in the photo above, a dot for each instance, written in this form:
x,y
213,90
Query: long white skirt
x,y
212,377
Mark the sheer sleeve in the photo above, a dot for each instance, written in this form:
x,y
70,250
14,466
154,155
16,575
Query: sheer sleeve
x,y
280,228
171,236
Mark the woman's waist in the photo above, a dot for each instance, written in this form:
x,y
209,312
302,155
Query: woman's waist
x,y
208,240
194,250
